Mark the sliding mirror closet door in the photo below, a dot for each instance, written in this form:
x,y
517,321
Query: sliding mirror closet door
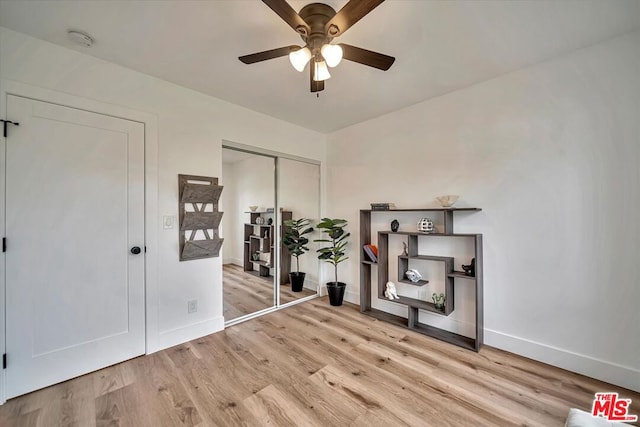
x,y
299,197
250,230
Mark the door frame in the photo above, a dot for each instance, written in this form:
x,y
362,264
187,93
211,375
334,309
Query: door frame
x,y
150,123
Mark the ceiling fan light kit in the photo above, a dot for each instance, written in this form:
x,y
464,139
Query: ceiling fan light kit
x,y
332,54
299,58
318,24
321,72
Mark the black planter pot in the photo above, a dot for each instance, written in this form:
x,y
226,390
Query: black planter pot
x,y
336,292
297,281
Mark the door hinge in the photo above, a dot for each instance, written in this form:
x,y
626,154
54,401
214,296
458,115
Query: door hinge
x,y
145,249
5,124
4,244
4,361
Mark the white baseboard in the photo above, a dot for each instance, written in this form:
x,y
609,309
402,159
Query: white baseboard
x,y
622,376
234,261
311,285
186,333
352,297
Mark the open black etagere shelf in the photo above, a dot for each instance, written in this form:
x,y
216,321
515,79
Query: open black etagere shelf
x,y
415,305
260,237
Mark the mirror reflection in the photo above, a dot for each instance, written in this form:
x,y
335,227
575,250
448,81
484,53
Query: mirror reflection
x,y
299,194
248,226
269,254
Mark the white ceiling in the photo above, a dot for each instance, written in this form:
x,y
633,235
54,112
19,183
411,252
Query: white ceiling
x,y
440,46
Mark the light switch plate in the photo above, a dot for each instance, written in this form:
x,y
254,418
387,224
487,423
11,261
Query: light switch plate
x,y
168,221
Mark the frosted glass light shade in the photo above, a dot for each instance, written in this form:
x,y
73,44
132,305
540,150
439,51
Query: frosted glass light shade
x,y
299,58
321,72
332,54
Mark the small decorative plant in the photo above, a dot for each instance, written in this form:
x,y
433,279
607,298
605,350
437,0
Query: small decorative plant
x,y
438,300
334,253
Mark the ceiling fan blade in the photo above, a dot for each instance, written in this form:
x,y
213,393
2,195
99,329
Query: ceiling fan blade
x,y
351,13
268,54
315,86
367,57
289,15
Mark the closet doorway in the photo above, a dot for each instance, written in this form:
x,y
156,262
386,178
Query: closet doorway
x,y
262,191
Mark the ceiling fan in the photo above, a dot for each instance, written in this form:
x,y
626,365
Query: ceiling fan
x,y
318,24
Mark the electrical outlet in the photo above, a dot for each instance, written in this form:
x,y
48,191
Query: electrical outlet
x,y
192,306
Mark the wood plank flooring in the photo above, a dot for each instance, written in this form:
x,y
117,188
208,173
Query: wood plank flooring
x,y
314,365
245,293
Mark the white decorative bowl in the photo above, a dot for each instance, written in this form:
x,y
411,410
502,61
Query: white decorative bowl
x,y
447,201
253,208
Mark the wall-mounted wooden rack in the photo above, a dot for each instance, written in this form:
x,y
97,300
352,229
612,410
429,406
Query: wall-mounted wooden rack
x,y
199,192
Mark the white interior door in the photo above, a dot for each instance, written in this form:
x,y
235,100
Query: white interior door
x,y
74,210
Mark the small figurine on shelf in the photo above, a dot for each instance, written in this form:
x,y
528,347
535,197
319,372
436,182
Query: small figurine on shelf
x,y
425,225
256,256
438,300
413,275
470,270
259,220
391,292
395,225
405,249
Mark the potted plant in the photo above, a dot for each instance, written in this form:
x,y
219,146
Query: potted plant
x,y
334,254
295,241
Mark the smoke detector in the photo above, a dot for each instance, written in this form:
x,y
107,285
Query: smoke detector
x,y
80,38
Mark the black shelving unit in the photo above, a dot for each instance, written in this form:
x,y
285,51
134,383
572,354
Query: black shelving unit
x,y
415,305
260,238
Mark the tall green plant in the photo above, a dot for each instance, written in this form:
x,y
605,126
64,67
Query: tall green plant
x,y
294,239
337,237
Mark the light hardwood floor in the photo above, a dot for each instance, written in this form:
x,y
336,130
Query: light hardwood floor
x,y
245,293
314,365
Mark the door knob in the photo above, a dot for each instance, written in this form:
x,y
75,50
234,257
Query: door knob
x,y
135,250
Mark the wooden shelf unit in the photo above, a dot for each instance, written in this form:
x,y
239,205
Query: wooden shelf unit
x,y
261,238
414,305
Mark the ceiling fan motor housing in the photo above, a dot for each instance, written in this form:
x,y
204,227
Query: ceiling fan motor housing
x,y
316,15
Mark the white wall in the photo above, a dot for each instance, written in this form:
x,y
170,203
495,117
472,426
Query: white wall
x,y
254,185
191,127
551,154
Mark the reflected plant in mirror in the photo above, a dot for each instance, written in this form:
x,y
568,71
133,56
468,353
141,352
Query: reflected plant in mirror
x,y
296,242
